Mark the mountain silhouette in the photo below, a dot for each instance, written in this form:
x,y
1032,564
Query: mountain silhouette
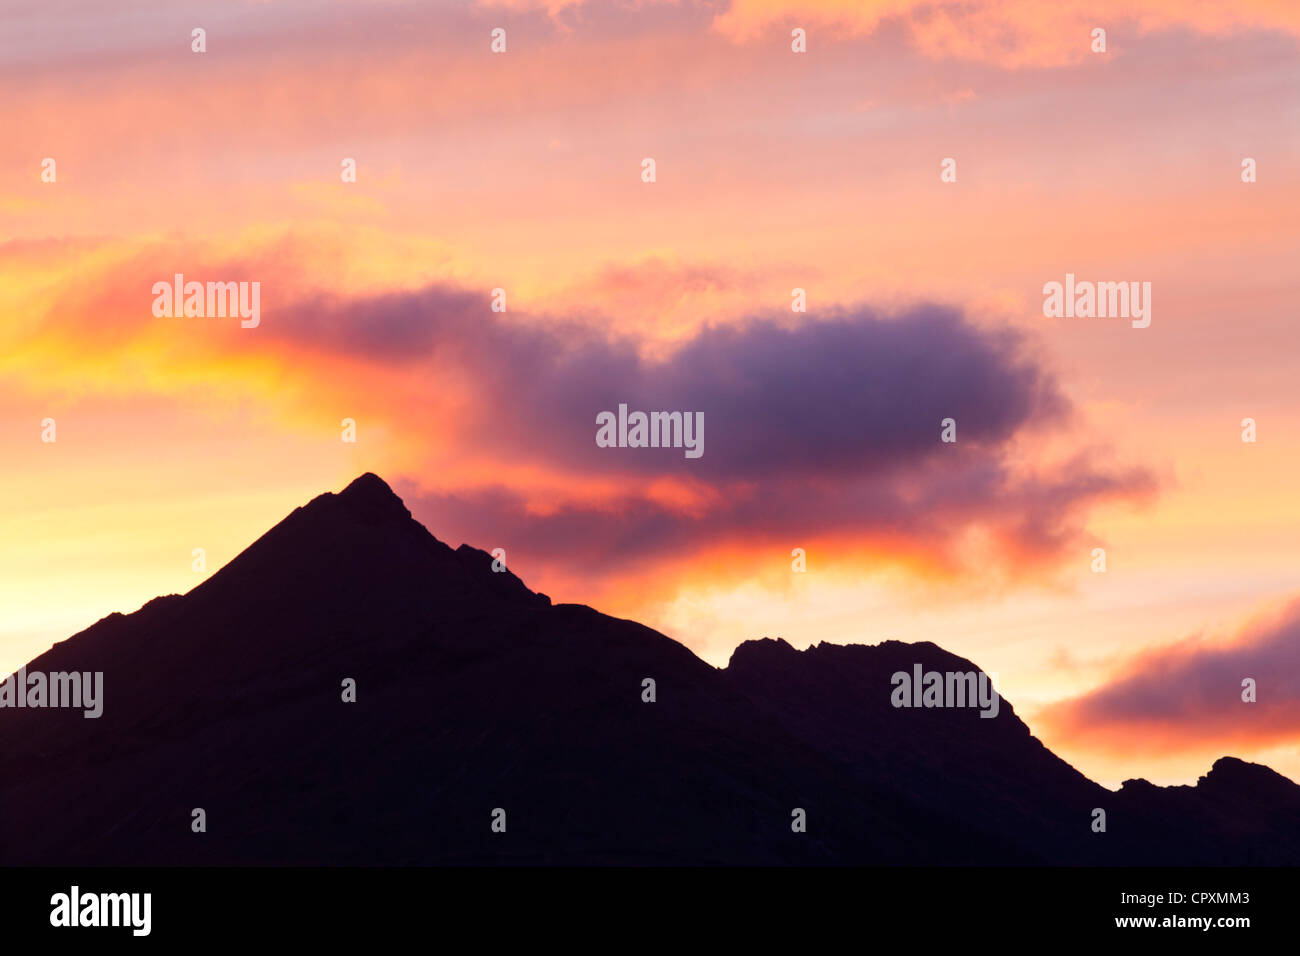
x,y
475,694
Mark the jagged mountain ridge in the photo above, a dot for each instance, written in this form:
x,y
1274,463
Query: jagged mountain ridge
x,y
475,693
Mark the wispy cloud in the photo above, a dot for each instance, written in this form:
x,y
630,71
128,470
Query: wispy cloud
x,y
1188,695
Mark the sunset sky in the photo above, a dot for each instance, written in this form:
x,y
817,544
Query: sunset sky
x,y
775,170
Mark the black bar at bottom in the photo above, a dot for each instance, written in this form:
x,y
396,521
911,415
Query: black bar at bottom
x,y
672,906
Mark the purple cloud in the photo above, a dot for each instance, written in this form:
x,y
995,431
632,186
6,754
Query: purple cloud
x,y
814,427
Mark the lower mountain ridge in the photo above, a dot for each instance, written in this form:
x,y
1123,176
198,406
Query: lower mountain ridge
x,y
474,694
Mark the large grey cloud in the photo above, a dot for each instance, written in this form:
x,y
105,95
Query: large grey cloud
x,y
815,426
856,392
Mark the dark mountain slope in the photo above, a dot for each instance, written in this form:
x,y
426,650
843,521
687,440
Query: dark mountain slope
x,y
474,693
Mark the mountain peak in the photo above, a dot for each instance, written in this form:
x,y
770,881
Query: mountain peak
x,y
762,650
368,485
369,490
368,498
1232,773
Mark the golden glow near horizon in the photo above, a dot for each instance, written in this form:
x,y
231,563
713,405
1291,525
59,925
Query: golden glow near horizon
x,y
775,171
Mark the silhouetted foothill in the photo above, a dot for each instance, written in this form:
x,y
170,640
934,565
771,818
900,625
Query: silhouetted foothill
x,y
473,694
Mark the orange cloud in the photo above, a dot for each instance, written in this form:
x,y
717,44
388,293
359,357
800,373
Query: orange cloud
x,y
1189,696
